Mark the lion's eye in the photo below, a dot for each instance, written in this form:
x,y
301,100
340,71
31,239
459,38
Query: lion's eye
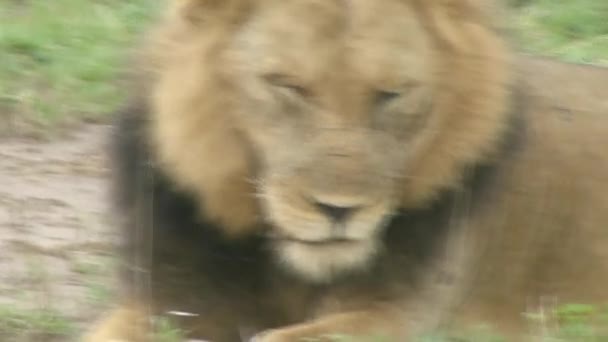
x,y
383,97
287,83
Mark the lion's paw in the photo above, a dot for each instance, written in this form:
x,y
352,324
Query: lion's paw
x,y
273,335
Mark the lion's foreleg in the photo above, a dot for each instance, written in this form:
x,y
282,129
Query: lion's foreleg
x,y
387,324
128,323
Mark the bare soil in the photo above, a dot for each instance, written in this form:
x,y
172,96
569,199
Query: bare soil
x,y
55,241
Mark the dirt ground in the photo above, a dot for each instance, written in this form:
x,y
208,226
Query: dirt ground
x,y
55,241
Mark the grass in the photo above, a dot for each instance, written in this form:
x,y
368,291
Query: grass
x,y
93,276
60,58
573,30
166,331
33,325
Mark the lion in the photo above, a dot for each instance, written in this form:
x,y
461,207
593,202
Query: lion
x,y
292,169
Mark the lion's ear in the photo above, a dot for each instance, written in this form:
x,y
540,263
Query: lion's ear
x,y
211,11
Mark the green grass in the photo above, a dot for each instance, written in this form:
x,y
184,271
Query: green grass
x,y
166,331
574,322
60,58
573,30
33,325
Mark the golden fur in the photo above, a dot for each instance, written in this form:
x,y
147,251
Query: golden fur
x,y
267,110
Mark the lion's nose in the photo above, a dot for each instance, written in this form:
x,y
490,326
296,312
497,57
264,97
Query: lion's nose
x,y
335,213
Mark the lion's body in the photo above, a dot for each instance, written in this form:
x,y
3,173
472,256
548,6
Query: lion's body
x,y
550,213
506,205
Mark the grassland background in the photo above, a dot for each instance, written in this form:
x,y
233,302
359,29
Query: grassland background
x,y
60,59
61,62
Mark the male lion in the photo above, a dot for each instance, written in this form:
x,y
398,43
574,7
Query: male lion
x,y
290,169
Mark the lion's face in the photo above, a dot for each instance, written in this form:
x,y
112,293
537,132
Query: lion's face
x,y
346,110
333,134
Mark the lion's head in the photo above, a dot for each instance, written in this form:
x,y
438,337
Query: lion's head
x,y
324,118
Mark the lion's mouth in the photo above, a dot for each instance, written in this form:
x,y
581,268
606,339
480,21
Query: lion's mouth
x,y
320,242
